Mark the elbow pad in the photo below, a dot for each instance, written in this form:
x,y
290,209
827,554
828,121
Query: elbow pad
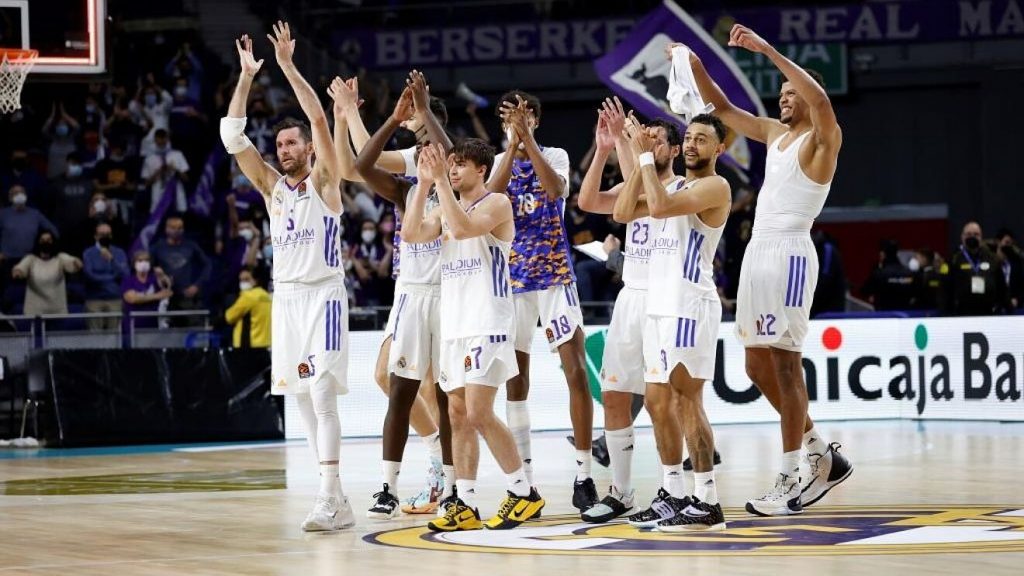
x,y
232,133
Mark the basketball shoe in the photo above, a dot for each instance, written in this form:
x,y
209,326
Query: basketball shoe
x,y
386,505
663,507
427,501
329,513
584,494
613,505
698,516
828,470
515,510
457,516
782,500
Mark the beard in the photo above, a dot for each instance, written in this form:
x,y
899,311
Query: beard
x,y
786,119
698,164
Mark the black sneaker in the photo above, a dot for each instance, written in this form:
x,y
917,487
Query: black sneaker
x,y
442,506
598,449
385,507
584,494
688,466
613,505
698,516
662,507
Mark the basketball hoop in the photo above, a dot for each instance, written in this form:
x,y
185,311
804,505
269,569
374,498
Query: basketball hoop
x,y
14,66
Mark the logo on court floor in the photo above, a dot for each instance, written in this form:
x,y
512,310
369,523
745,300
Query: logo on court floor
x,y
825,531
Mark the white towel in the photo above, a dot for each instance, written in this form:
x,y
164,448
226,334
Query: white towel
x,y
683,96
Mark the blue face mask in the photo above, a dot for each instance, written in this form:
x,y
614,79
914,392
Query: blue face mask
x,y
150,99
63,130
268,252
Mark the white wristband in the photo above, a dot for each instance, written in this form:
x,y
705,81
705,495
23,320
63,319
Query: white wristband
x,y
647,159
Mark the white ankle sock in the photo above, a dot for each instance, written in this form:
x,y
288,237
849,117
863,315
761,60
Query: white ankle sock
x,y
517,415
330,481
582,465
813,442
791,464
620,450
449,481
391,471
518,484
467,492
672,480
705,487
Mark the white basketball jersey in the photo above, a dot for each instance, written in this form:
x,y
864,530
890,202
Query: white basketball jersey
x,y
637,253
788,200
682,262
476,291
421,261
305,234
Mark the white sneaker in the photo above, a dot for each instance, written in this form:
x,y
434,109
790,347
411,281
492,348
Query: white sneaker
x,y
826,472
613,505
329,513
782,500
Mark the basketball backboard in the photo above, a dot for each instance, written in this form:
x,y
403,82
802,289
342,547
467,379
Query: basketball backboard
x,y
69,34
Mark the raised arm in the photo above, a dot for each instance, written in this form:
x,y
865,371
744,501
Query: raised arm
x,y
384,183
629,204
389,160
753,127
417,82
417,226
326,174
555,184
615,117
592,198
344,98
232,127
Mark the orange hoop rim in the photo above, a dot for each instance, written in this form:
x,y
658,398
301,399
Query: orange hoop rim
x,y
13,54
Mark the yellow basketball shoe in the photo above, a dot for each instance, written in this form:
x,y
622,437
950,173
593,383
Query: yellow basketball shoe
x,y
457,516
515,510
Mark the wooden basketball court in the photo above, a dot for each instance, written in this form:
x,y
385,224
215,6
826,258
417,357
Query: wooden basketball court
x,y
935,498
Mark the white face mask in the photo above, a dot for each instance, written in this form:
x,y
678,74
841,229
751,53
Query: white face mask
x,y
74,171
246,234
100,205
369,236
245,286
142,267
914,265
19,199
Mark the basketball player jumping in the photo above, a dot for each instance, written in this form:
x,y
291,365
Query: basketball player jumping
x,y
687,218
477,323
536,179
780,267
309,358
413,345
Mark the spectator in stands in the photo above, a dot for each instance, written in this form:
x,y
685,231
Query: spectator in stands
x,y
1012,268
72,193
186,70
930,291
891,285
246,199
116,177
62,130
124,130
186,264
44,272
188,124
261,125
830,293
94,119
21,173
976,285
250,314
106,267
164,166
155,106
372,263
145,290
104,210
19,226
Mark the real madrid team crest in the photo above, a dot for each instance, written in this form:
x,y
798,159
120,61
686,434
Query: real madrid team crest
x,y
821,531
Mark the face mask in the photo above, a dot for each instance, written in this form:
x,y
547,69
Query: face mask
x,y
100,206
142,267
268,252
46,247
174,233
20,199
914,265
151,100
972,242
243,286
63,130
246,234
90,108
387,227
74,170
369,236
264,80
104,241
181,91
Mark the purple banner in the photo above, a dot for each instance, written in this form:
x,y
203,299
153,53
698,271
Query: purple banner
x,y
881,21
155,216
637,71
201,200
